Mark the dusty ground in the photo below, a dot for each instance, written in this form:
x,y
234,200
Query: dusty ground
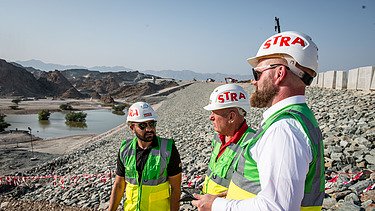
x,y
18,153
34,106
20,205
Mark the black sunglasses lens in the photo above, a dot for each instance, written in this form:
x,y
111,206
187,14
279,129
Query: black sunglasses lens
x,y
255,74
143,125
152,124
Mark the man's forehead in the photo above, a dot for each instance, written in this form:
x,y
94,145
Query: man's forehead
x,y
274,60
223,110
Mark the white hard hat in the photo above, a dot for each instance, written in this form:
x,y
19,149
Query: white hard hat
x,y
229,96
141,112
295,47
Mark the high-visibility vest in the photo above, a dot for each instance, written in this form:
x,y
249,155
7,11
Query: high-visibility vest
x,y
220,170
245,181
153,191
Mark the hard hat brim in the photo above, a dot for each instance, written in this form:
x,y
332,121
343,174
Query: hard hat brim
x,y
254,61
210,107
143,120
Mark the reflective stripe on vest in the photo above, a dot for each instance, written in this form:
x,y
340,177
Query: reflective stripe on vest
x,y
246,176
154,187
221,170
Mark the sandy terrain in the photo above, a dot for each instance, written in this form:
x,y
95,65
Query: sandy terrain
x,y
18,153
34,106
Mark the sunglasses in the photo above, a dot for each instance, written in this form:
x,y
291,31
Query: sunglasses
x,y
257,71
143,125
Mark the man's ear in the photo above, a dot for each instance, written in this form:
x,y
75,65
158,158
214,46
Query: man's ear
x,y
280,74
232,116
131,126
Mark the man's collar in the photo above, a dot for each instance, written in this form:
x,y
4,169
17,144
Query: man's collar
x,y
298,99
237,136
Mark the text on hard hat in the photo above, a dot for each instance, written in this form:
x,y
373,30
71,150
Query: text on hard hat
x,y
230,96
147,114
133,112
283,41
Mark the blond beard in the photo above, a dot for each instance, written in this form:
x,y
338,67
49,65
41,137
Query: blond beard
x,y
263,98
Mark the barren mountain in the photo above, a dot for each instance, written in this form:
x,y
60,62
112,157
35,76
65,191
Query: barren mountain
x,y
16,81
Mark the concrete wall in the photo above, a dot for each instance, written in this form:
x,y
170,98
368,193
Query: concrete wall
x,y
365,75
320,80
329,79
352,78
362,78
341,80
314,83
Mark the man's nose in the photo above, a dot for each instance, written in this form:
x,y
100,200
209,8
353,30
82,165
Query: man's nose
x,y
211,117
253,82
149,128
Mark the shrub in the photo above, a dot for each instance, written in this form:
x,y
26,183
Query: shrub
x,y
3,124
16,101
66,107
119,107
76,117
44,114
14,107
76,124
121,113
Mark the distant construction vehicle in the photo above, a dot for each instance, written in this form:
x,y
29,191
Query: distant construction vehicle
x,y
230,80
210,80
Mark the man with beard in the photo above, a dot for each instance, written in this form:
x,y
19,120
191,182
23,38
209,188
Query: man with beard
x,y
282,168
148,166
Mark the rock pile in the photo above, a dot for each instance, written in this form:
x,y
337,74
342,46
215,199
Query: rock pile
x,y
347,118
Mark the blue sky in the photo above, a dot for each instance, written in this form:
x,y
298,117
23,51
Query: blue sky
x,y
199,35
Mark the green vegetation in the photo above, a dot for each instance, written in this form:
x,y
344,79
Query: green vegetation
x,y
14,107
44,114
3,124
16,101
119,109
76,124
66,107
76,116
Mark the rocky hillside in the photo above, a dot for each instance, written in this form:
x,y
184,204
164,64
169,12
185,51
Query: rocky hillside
x,y
16,80
58,85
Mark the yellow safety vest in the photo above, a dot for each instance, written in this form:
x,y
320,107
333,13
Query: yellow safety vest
x,y
220,170
153,191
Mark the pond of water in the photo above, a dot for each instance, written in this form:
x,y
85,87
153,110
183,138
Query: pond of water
x,y
97,121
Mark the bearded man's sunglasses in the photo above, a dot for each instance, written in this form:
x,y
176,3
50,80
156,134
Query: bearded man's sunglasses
x,y
257,71
143,125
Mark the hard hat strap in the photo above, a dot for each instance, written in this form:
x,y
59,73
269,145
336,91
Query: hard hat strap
x,y
297,70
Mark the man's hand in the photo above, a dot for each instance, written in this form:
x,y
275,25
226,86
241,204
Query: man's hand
x,y
204,202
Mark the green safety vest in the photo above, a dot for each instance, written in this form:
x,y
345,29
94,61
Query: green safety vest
x,y
220,170
245,181
153,191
